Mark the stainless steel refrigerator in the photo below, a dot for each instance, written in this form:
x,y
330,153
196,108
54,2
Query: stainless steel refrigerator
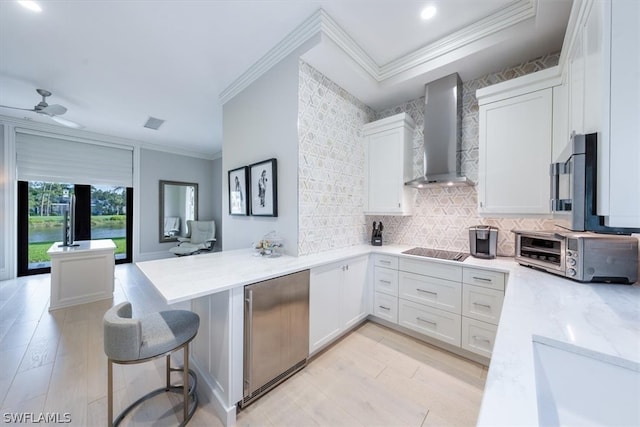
x,y
276,332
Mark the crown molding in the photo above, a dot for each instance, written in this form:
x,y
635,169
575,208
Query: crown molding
x,y
510,15
320,23
305,31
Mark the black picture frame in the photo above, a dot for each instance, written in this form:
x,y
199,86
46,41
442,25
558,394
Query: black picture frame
x,y
238,191
263,177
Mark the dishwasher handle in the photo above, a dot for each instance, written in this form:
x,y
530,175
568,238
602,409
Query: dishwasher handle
x,y
248,340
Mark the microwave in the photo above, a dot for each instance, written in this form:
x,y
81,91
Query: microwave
x,y
584,257
573,188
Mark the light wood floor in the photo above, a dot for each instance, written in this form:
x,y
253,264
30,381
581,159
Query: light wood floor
x,y
54,363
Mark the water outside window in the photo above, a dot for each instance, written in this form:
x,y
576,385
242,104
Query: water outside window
x,y
108,216
47,203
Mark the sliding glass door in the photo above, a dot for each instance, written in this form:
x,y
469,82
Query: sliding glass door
x,y
102,212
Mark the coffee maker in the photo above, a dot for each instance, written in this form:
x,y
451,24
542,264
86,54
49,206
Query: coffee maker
x,y
483,241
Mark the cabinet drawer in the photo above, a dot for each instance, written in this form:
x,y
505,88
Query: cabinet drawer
x,y
484,278
478,336
385,280
385,307
431,291
430,321
433,269
482,303
387,261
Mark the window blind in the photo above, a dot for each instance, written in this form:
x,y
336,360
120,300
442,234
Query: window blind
x,y
52,159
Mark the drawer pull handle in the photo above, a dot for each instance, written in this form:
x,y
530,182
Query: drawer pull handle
x,y
482,305
426,292
483,339
483,279
384,281
384,308
426,321
384,261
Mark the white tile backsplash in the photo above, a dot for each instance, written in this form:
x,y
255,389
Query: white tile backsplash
x,y
332,172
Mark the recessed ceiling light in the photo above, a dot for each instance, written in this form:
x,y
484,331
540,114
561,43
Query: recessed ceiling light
x,y
428,12
31,5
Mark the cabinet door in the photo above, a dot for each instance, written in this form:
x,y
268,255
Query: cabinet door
x,y
561,134
385,183
478,336
324,305
515,153
430,321
355,301
385,280
576,86
619,182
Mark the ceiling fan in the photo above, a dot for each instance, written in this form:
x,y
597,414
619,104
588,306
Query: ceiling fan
x,y
51,111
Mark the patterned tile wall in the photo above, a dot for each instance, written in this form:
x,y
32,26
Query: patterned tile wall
x,y
442,215
331,172
331,168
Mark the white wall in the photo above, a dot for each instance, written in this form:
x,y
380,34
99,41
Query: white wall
x,y
258,124
156,166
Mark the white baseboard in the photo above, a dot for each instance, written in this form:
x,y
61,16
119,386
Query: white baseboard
x,y
226,414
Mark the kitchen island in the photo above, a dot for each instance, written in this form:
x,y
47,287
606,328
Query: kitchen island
x,y
601,318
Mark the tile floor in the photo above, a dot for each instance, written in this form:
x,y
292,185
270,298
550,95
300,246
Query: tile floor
x,y
53,363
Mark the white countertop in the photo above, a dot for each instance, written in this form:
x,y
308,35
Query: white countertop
x,y
81,246
599,317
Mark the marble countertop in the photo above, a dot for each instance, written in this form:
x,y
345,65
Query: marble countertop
x,y
81,246
599,317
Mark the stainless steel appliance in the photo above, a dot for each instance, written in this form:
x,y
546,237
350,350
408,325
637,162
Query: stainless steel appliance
x,y
573,188
585,257
276,332
483,241
437,253
442,134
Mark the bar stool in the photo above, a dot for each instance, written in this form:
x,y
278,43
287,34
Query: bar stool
x,y
130,341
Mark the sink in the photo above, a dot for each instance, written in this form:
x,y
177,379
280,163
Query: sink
x,y
580,387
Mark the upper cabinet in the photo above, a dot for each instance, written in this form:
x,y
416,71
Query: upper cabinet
x,y
515,140
389,165
602,69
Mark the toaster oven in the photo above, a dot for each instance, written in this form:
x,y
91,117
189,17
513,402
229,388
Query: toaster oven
x,y
584,257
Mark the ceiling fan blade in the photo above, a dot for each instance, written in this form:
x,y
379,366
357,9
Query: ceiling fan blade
x,y
66,122
16,108
53,110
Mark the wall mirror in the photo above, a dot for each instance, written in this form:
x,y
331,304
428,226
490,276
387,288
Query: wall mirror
x,y
178,204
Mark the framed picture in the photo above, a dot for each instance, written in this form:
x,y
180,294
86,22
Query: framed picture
x,y
238,201
264,189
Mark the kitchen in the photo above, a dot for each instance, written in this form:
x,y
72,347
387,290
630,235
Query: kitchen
x,y
325,222
325,219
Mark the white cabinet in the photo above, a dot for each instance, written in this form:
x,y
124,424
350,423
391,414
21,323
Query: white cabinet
x,y
389,165
82,273
482,297
439,324
385,287
515,153
602,66
338,299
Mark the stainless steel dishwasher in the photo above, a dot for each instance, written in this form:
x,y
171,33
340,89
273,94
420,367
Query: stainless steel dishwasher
x,y
276,332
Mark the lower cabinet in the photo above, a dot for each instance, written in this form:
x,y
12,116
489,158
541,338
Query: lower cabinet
x,y
456,304
439,324
338,299
478,336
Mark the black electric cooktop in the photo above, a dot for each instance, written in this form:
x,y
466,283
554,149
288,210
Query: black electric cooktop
x,y
437,253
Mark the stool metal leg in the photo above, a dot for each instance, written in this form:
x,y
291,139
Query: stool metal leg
x,y
168,371
185,383
110,392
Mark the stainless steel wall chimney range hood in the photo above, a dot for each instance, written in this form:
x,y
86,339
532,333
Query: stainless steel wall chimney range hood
x,y
442,134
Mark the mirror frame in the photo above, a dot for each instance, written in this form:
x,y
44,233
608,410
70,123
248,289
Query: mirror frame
x,y
163,185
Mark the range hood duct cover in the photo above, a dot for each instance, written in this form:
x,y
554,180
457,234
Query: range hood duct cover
x,y
442,134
